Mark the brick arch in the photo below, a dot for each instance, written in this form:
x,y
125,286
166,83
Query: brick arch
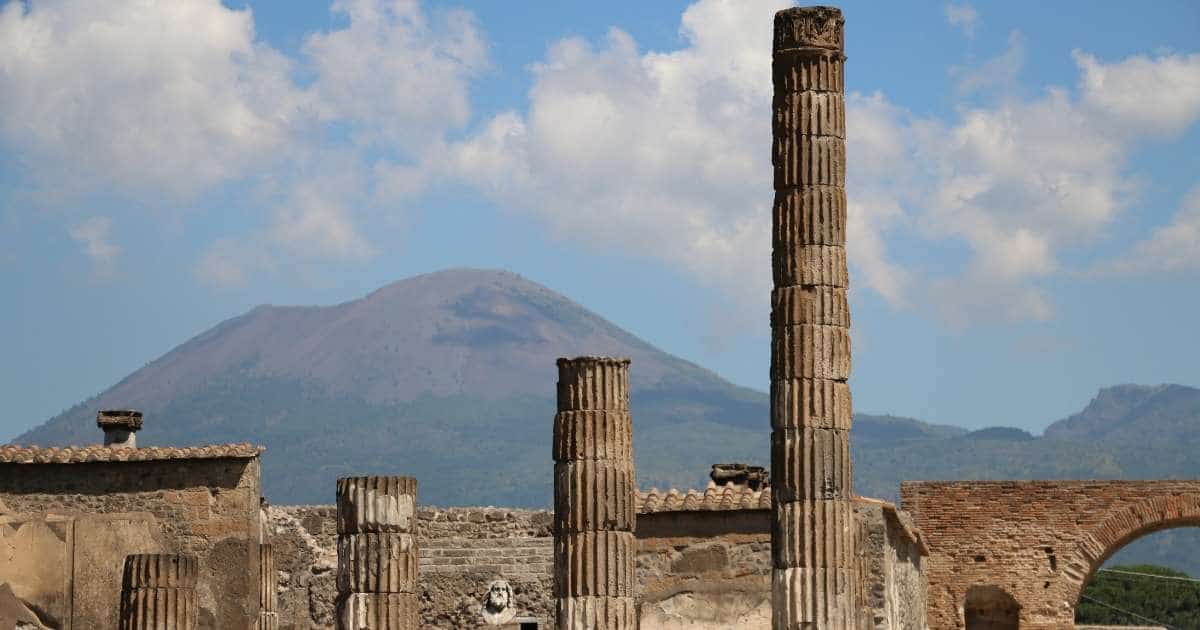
x,y
1125,525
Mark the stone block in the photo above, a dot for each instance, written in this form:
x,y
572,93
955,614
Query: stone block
x,y
160,570
810,113
810,351
813,534
158,609
824,306
810,402
593,383
376,504
808,161
377,563
594,496
595,564
597,613
593,435
378,611
805,599
810,464
808,215
817,265
821,72
809,29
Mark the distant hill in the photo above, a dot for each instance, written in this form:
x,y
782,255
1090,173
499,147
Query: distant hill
x,y
450,376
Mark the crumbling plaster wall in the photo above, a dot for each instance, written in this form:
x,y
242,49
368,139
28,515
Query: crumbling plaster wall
x,y
696,569
205,507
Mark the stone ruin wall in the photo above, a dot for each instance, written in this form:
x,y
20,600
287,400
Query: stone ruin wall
x,y
67,528
701,570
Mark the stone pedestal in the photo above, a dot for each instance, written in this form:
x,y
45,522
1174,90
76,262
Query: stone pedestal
x,y
594,486
812,539
158,592
377,554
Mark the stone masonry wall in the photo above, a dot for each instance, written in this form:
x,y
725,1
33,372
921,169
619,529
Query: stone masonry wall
x,y
208,508
700,570
1036,541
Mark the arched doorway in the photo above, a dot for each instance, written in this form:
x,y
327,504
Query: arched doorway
x,y
1151,581
990,608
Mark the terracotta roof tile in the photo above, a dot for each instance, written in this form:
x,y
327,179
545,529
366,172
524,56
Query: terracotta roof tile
x,y
712,498
13,454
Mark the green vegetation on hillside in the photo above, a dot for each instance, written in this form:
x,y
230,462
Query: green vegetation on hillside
x,y
1174,603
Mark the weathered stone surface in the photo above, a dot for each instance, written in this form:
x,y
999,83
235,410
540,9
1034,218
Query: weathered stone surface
x,y
595,564
376,504
825,306
593,383
809,113
810,351
823,265
580,435
811,464
810,402
377,563
808,28
268,621
813,534
378,611
813,598
808,161
157,570
159,592
597,613
594,496
268,582
809,215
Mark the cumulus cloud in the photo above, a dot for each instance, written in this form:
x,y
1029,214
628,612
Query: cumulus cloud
x,y
1174,247
962,16
663,154
94,236
176,99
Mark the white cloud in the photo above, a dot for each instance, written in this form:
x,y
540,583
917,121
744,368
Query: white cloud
x,y
1174,247
1143,95
963,16
94,235
999,72
144,100
658,153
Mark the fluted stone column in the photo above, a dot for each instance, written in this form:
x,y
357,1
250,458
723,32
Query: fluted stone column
x,y
268,586
377,554
158,592
812,538
594,484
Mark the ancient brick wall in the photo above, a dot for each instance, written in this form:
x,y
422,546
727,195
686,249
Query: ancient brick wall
x,y
102,511
1035,541
696,568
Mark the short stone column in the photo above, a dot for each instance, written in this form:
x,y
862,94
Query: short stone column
x,y
158,592
594,485
812,538
268,589
377,554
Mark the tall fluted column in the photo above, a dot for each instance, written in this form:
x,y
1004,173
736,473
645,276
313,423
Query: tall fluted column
x,y
268,587
594,484
158,592
377,554
811,476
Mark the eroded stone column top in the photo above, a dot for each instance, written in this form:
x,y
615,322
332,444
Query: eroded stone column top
x,y
817,28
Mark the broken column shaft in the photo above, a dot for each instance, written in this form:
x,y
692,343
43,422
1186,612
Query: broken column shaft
x,y
377,554
268,597
158,592
812,538
594,485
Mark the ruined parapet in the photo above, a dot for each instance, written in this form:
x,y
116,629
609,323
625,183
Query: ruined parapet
x,y
158,592
120,427
813,535
268,589
377,554
594,490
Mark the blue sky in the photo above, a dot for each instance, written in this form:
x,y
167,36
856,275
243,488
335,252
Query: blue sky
x,y
1024,182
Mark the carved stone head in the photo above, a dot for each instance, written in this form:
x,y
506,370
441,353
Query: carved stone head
x,y
499,605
